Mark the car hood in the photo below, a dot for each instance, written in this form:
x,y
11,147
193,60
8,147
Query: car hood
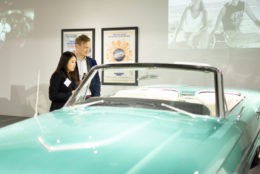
x,y
116,140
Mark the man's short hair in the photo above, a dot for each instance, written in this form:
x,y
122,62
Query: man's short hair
x,y
82,39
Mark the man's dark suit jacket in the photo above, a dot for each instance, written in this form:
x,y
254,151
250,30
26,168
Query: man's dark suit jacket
x,y
95,83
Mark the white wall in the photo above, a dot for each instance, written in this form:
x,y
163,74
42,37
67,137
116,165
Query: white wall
x,y
19,66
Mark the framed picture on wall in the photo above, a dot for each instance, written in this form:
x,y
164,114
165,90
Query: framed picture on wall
x,y
68,37
120,45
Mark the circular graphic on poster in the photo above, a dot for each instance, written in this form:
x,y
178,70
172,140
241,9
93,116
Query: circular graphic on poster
x,y
119,54
119,51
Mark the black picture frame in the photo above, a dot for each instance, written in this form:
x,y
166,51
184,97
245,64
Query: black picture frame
x,y
119,45
68,37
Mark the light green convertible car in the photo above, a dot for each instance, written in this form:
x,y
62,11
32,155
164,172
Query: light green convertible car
x,y
150,118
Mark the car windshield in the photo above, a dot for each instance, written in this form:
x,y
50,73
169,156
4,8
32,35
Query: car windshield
x,y
154,87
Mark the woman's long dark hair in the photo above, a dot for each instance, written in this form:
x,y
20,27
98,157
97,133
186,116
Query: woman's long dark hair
x,y
62,66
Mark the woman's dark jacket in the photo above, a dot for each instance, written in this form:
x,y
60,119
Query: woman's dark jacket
x,y
59,92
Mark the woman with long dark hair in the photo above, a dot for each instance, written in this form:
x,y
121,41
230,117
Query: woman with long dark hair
x,y
63,80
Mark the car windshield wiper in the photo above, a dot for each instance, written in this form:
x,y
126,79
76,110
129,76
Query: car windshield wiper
x,y
107,102
178,110
89,104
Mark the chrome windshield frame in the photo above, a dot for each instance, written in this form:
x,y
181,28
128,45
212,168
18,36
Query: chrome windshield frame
x,y
218,78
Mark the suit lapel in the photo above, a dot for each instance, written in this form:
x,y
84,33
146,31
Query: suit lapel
x,y
88,64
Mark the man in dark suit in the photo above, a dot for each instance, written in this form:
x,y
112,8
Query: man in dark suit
x,y
85,63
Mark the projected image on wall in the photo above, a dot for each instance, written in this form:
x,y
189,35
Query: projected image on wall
x,y
15,23
214,24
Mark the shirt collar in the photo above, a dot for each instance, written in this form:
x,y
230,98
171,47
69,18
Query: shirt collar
x,y
78,59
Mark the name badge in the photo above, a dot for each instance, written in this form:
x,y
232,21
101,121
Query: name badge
x,y
67,82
